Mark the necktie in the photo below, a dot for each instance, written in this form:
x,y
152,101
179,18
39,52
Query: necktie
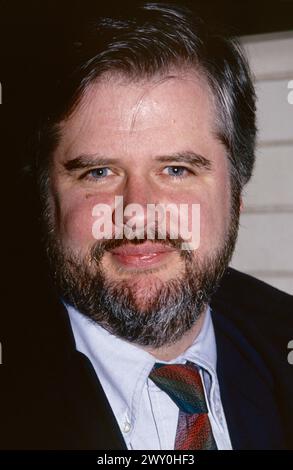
x,y
182,382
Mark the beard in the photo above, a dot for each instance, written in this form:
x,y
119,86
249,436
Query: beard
x,y
168,309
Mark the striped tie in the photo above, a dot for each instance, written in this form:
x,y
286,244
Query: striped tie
x,y
182,382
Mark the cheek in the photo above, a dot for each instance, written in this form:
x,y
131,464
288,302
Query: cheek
x,y
209,224
77,223
215,219
75,220
214,215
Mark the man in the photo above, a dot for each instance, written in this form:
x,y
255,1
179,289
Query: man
x,y
148,340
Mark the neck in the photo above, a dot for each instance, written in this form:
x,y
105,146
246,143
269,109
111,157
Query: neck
x,y
169,352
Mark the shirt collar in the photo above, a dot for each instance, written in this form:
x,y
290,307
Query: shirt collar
x,y
123,368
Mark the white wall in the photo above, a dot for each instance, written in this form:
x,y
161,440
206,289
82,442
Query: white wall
x,y
265,245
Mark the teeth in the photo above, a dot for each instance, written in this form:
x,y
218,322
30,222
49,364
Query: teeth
x,y
151,255
141,255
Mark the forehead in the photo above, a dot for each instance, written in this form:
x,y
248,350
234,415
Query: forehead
x,y
117,114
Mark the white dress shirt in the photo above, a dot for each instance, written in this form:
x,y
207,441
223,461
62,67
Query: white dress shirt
x,y
146,415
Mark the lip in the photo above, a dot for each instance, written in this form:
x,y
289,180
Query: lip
x,y
147,248
144,255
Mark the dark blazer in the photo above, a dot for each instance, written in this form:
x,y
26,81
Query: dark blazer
x,y
51,397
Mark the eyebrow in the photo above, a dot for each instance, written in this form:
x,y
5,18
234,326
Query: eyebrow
x,y
192,158
88,161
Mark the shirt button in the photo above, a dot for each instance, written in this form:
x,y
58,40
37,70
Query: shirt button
x,y
126,427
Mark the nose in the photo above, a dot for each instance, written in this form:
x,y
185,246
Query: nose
x,y
137,194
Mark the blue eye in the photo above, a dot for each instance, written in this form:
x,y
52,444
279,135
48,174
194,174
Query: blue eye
x,y
176,171
98,173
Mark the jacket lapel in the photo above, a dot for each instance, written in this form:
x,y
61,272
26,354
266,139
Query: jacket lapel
x,y
73,410
93,423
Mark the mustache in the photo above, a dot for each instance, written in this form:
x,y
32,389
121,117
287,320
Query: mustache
x,y
100,247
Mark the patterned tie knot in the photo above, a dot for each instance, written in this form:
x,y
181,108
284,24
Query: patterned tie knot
x,y
182,382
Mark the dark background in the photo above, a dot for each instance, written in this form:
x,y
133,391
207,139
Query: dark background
x,y
242,16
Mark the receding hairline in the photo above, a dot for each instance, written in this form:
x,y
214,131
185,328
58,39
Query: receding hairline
x,y
186,71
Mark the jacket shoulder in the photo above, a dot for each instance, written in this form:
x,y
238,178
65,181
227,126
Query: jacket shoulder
x,y
243,290
254,306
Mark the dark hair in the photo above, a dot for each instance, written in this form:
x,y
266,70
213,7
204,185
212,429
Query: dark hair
x,y
153,38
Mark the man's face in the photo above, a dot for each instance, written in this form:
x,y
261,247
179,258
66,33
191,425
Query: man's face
x,y
141,141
